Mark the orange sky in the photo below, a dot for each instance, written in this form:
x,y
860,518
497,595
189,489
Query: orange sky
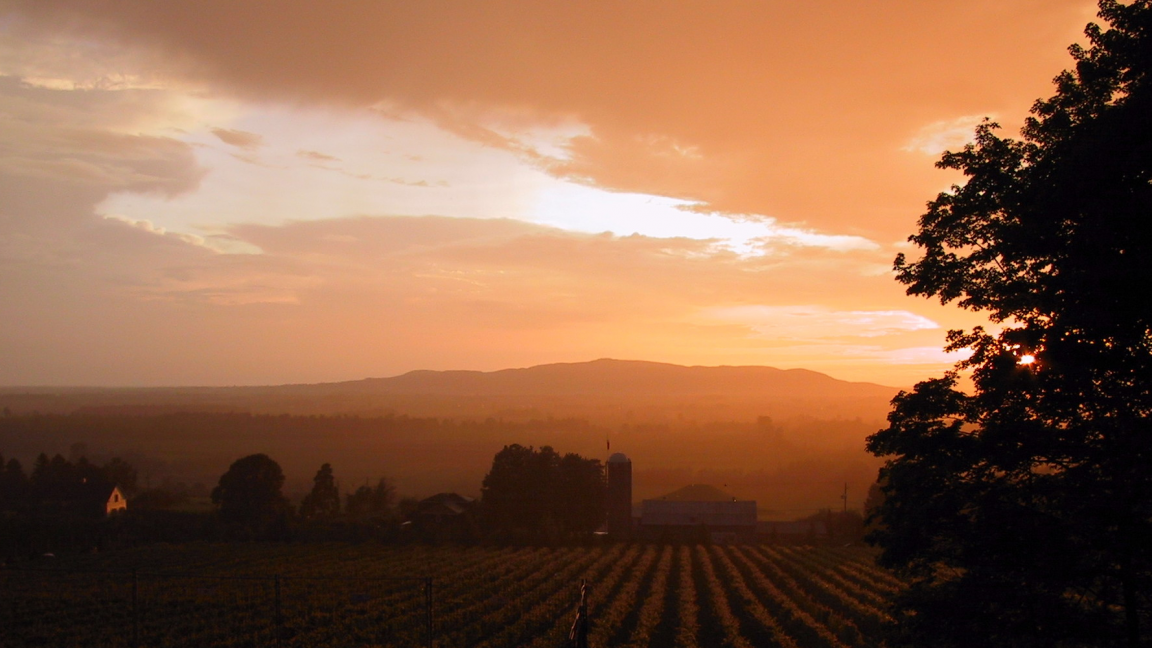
x,y
220,192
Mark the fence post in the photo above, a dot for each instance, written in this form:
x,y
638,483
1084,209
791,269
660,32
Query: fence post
x,y
135,610
428,609
279,621
578,635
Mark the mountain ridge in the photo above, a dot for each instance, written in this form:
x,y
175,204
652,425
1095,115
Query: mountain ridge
x,y
603,390
789,437
598,369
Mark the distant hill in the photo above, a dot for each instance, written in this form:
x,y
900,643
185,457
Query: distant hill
x,y
789,439
623,377
698,493
608,391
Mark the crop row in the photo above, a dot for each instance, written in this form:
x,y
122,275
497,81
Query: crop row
x,y
640,595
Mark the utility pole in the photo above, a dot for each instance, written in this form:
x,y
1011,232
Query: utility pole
x,y
845,497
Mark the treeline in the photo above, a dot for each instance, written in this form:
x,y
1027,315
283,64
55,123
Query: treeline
x,y
793,466
59,504
541,495
423,455
66,505
529,496
250,504
55,482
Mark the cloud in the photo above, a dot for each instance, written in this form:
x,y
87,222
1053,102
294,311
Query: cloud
x,y
946,135
149,227
324,161
788,111
377,295
563,277
784,121
452,178
317,156
810,323
62,136
238,138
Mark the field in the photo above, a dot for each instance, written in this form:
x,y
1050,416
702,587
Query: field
x,y
369,595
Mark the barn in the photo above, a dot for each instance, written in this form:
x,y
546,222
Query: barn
x,y
698,513
114,502
94,499
444,516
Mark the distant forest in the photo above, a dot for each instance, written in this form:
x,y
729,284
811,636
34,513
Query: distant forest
x,y
791,467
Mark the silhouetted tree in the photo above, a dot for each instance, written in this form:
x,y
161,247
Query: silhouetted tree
x,y
514,496
580,494
1021,510
374,501
85,471
52,479
324,498
120,472
872,503
539,494
40,466
13,485
248,497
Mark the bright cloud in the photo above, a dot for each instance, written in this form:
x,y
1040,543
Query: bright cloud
x,y
371,164
239,138
799,323
946,135
191,190
149,227
919,356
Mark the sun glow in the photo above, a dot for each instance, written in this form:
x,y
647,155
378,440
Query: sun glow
x,y
1027,359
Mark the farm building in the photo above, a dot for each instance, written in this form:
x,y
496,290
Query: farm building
x,y
444,516
619,504
115,502
698,512
85,498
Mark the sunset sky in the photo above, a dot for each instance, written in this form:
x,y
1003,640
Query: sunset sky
x,y
216,192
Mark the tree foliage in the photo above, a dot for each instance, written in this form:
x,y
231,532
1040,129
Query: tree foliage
x,y
324,499
542,495
13,485
57,479
372,501
1022,508
249,496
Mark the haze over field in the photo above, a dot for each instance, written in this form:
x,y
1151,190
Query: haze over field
x,y
210,193
789,439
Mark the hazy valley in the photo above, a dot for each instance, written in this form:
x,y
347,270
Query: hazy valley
x,y
790,439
